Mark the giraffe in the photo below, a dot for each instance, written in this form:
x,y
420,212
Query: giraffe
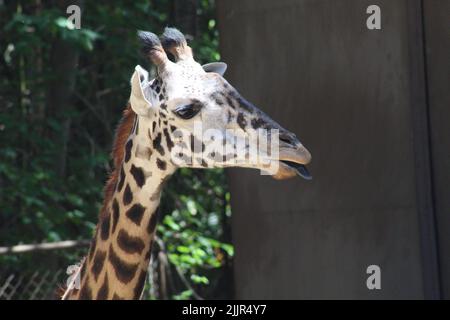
x,y
182,94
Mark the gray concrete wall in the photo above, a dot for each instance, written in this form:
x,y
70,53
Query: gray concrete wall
x,y
357,99
436,23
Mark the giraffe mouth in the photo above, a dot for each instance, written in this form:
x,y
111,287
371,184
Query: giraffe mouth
x,y
300,169
292,162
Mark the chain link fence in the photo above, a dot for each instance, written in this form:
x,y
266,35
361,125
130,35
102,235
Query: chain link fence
x,y
39,269
37,285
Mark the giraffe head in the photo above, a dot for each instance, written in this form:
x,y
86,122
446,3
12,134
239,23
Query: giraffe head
x,y
199,120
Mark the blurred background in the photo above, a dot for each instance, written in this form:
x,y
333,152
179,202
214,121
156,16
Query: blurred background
x,y
372,106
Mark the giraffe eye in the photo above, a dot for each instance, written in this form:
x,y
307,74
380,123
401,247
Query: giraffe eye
x,y
188,111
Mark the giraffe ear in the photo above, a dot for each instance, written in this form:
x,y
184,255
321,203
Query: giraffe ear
x,y
138,101
217,67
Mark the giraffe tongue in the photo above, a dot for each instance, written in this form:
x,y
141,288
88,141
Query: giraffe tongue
x,y
299,168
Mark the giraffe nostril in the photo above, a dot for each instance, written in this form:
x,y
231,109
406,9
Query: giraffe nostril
x,y
285,140
288,138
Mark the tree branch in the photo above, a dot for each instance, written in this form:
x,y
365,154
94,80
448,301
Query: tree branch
x,y
22,248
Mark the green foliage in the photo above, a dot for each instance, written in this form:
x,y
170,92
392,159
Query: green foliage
x,y
200,212
54,160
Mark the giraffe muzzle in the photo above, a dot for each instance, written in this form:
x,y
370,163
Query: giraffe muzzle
x,y
293,161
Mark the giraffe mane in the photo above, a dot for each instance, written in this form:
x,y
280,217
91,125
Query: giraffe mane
x,y
123,131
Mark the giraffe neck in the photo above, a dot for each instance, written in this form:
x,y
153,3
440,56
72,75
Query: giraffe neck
x,y
118,258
